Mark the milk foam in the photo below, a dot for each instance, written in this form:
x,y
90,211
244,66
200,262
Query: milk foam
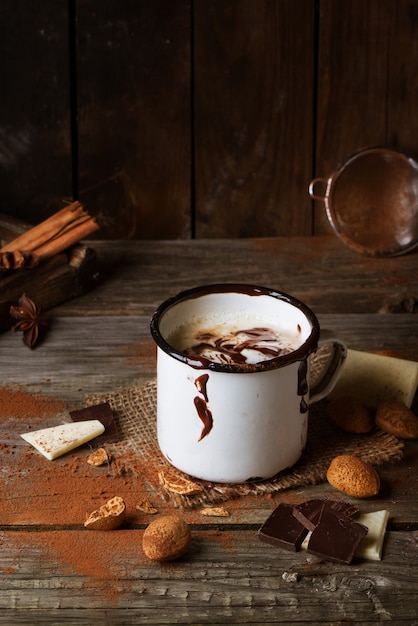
x,y
231,339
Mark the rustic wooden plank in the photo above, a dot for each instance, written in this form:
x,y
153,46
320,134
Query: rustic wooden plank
x,y
69,488
253,154
367,91
54,280
133,83
71,363
136,277
227,577
402,87
253,120
35,134
130,356
55,571
59,278
130,352
101,353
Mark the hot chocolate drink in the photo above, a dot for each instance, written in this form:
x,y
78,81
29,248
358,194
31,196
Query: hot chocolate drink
x,y
246,341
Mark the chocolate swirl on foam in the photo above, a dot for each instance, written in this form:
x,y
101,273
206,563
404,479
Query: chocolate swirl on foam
x,y
200,362
263,343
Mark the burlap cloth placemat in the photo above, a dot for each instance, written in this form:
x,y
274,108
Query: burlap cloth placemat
x,y
137,449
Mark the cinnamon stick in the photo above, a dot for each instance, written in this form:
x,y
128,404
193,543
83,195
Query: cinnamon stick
x,y
67,239
48,229
17,260
55,234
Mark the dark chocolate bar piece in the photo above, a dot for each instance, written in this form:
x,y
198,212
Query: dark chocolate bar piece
x,y
101,412
282,529
341,506
336,537
308,513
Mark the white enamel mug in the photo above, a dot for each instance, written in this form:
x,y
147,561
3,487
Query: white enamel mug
x,y
238,412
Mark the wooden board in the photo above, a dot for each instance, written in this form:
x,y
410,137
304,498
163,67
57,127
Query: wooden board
x,y
84,355
366,82
52,282
326,275
253,118
228,578
54,571
134,116
208,119
35,109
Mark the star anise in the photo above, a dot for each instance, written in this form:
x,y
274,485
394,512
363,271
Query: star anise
x,y
27,314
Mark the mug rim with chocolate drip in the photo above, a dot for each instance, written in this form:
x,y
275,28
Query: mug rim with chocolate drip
x,y
308,345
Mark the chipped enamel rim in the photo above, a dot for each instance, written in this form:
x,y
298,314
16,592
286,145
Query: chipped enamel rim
x,y
309,345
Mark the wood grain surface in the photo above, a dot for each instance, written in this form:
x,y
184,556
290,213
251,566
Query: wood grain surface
x,y
198,119
134,110
53,571
253,120
365,64
240,583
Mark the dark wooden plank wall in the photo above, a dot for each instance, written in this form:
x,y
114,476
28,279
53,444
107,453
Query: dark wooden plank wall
x,y
35,122
254,104
367,80
198,118
134,98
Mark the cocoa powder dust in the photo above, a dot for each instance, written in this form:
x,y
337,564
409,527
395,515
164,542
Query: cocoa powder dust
x,y
49,495
44,504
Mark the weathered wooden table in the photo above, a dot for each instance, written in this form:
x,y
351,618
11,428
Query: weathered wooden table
x,y
54,571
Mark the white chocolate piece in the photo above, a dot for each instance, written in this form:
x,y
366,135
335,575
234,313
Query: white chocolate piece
x,y
373,378
304,544
371,545
57,440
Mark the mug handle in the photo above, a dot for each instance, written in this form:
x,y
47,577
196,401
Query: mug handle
x,y
331,368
